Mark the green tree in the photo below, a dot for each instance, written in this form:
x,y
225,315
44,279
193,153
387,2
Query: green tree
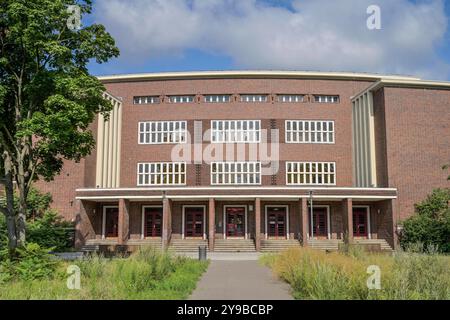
x,y
47,97
431,224
446,167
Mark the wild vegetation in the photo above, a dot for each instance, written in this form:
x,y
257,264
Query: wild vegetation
x,y
146,274
431,223
405,275
45,227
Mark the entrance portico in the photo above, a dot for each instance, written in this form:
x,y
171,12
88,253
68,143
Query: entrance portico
x,y
143,215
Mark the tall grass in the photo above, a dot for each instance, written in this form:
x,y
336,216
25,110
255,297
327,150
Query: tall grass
x,y
314,274
146,274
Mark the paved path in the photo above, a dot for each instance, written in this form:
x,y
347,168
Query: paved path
x,y
226,256
239,280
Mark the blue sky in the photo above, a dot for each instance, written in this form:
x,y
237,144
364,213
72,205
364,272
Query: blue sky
x,y
185,35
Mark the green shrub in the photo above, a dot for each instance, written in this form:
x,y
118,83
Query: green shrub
x,y
3,233
431,225
30,262
44,226
50,230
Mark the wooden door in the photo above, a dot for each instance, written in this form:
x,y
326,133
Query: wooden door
x,y
276,222
320,222
360,222
235,221
193,222
111,222
153,222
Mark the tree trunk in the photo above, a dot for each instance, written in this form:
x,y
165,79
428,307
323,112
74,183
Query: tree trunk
x,y
9,209
22,209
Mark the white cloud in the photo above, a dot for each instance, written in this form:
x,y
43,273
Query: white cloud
x,y
315,35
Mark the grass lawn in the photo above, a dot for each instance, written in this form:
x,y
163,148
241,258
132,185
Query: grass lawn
x,y
314,274
147,274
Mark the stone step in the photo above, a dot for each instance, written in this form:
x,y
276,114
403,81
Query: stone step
x,y
234,245
384,245
187,245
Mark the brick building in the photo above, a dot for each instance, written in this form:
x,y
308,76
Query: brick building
x,y
361,148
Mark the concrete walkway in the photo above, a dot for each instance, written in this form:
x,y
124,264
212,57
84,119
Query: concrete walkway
x,y
239,280
234,256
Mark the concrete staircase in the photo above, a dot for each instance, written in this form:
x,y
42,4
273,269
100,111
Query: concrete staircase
x,y
90,248
278,245
156,243
325,244
93,245
187,245
234,245
382,242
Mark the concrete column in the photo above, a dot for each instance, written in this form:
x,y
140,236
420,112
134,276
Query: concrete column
x,y
211,223
305,226
167,212
124,221
258,224
347,207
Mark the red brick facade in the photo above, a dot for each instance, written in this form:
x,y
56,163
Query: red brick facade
x,y
411,142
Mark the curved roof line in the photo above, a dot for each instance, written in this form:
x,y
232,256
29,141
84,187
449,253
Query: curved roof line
x,y
251,74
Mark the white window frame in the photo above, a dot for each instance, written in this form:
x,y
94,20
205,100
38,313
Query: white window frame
x,y
147,100
180,174
308,234
189,98
178,133
323,98
266,231
308,133
224,229
143,219
291,98
183,218
311,173
223,163
104,219
254,98
217,98
235,135
369,231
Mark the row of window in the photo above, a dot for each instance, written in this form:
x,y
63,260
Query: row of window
x,y
236,131
236,173
225,98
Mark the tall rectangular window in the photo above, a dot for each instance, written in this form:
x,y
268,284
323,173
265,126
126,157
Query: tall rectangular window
x,y
254,98
235,131
326,99
181,99
290,98
146,100
306,131
235,173
160,132
313,173
161,173
217,98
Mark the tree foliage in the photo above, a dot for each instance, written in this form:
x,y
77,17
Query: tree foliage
x,y
47,97
431,224
45,226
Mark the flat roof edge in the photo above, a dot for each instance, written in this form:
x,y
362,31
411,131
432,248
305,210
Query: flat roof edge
x,y
414,84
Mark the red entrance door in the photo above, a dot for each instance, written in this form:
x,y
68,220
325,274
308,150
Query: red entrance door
x,y
111,222
193,222
360,222
152,222
276,222
320,223
235,221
